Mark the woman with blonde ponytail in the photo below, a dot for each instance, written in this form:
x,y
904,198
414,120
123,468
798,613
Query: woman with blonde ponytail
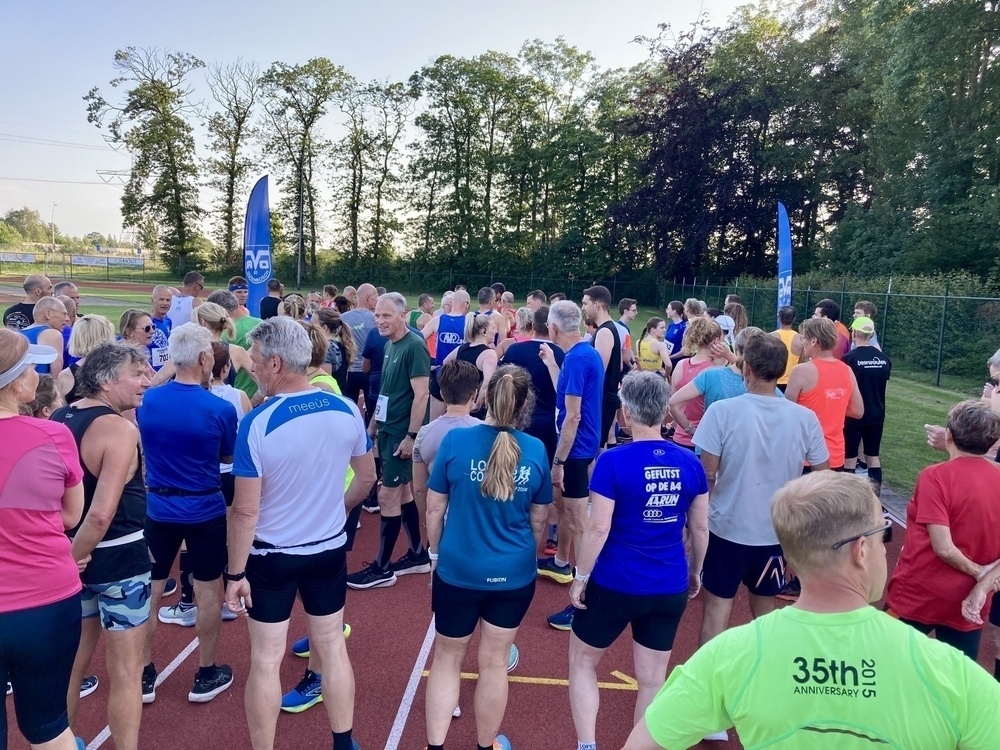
x,y
215,318
493,481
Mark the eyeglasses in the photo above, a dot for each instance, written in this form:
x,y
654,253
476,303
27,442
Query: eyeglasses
x,y
880,530
146,329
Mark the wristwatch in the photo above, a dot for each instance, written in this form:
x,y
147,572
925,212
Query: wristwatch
x,y
558,462
233,577
411,435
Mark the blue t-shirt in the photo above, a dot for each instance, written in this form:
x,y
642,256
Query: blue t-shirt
x,y
374,350
525,354
675,336
498,532
653,483
582,374
718,383
185,431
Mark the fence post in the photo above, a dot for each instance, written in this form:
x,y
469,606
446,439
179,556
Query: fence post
x,y
843,289
614,289
944,315
753,304
808,295
885,313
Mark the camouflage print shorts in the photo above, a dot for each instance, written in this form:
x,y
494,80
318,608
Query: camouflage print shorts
x,y
122,605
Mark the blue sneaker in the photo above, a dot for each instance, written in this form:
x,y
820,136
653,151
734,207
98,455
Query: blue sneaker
x,y
501,743
512,658
562,620
305,695
559,573
301,646
80,744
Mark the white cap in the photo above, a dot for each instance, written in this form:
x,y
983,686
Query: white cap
x,y
726,323
36,355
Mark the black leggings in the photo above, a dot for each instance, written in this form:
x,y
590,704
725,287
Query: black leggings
x,y
966,642
37,648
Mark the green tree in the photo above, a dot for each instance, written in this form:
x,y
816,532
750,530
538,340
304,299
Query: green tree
x,y
28,224
9,235
151,121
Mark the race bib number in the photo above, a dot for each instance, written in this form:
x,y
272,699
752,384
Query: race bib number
x,y
381,408
160,357
670,347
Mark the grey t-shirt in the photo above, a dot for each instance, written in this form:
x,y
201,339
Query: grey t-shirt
x,y
360,321
762,442
425,447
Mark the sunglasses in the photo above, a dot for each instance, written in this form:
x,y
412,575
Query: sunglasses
x,y
880,530
146,329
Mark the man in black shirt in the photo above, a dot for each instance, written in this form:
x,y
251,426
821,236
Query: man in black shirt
x,y
871,368
21,315
270,304
607,340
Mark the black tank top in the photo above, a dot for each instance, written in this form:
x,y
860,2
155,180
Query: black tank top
x,y
613,373
74,395
469,353
114,563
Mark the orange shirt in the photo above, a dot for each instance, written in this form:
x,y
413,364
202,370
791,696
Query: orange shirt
x,y
829,400
787,337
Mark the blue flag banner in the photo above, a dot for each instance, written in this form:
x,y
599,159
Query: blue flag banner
x,y
257,264
784,258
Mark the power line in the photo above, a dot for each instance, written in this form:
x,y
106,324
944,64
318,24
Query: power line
x,y
33,141
59,182
42,117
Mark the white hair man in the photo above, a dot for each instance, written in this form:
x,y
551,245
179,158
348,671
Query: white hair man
x,y
284,450
162,298
186,433
109,541
579,385
831,645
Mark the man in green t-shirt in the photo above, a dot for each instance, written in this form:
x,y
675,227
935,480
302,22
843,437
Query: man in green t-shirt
x,y
244,323
399,414
829,671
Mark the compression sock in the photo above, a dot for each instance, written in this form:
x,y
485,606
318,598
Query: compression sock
x,y
342,740
484,747
875,477
996,670
388,534
187,582
411,522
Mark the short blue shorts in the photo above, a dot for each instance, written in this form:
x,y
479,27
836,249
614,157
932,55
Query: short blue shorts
x,y
122,605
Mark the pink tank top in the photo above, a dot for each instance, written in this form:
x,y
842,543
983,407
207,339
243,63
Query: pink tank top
x,y
694,409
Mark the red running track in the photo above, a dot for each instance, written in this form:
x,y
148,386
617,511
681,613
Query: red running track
x,y
389,627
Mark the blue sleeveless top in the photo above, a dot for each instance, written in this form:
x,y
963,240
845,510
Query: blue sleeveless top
x,y
31,333
450,335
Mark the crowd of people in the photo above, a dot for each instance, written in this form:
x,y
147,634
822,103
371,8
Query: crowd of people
x,y
639,471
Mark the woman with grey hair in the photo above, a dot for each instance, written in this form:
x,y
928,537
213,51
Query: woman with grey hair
x,y
643,495
522,331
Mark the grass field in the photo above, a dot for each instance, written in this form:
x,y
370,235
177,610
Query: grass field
x,y
910,404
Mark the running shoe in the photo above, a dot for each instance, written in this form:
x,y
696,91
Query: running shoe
x,y
206,688
513,656
790,591
562,620
371,577
227,614
80,744
301,646
722,736
560,574
370,505
412,563
10,688
457,713
178,614
551,547
303,696
170,588
501,743
148,683
88,685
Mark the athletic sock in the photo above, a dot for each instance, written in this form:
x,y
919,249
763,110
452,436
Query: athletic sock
x,y
342,740
435,747
560,563
875,477
586,745
206,672
411,522
388,534
996,670
187,582
484,747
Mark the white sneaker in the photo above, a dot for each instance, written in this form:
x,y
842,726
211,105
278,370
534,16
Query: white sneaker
x,y
228,615
176,615
722,736
457,713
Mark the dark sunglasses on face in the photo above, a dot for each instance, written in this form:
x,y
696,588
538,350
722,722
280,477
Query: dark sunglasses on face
x,y
146,329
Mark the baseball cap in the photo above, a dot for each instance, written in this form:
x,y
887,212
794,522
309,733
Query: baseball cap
x,y
36,355
726,323
864,325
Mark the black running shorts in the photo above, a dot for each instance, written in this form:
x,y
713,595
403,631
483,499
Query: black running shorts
x,y
457,610
206,546
728,564
654,618
854,433
576,478
319,579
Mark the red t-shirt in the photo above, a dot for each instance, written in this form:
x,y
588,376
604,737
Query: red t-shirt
x,y
38,461
964,495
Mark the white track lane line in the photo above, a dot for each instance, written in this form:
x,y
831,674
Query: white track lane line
x,y
105,734
396,734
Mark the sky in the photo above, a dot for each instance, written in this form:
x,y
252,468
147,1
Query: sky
x,y
54,52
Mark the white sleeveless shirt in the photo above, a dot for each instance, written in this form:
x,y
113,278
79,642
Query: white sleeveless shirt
x,y
180,311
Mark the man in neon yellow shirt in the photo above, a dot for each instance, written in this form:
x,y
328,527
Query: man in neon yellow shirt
x,y
829,671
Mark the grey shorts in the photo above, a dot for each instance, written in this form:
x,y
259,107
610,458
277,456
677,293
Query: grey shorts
x,y
122,605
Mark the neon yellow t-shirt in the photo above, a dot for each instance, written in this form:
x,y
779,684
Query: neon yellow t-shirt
x,y
795,680
329,380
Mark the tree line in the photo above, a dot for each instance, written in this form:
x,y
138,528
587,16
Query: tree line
x,y
873,121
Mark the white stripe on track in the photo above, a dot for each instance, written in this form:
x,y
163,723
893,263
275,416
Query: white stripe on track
x,y
396,734
105,734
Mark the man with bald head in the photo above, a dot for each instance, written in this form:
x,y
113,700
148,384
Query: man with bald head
x,y
360,321
447,331
49,315
352,294
21,315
